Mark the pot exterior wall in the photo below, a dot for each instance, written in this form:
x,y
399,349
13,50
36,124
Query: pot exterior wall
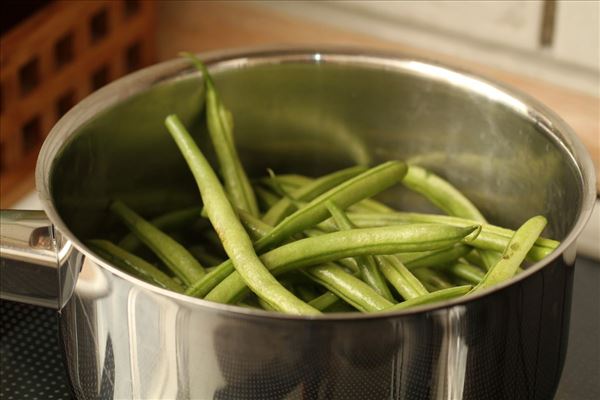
x,y
124,341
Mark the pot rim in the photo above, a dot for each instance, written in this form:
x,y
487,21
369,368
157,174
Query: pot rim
x,y
553,126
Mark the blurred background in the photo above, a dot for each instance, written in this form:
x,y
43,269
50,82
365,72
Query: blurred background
x,y
54,53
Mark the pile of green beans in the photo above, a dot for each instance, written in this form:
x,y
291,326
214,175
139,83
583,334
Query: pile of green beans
x,y
306,246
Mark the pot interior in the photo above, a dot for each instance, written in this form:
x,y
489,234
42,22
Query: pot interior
x,y
309,116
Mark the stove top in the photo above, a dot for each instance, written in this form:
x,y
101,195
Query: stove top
x,y
31,362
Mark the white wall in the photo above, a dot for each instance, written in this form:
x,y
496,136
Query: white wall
x,y
505,34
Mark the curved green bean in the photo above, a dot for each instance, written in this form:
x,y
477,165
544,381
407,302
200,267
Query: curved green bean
x,y
291,181
436,257
352,290
220,125
407,285
491,237
443,294
171,220
173,254
236,242
324,301
467,272
214,277
515,252
204,256
133,264
308,192
441,193
368,268
265,197
432,280
351,191
333,246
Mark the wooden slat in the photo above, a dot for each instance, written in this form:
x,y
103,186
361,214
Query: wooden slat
x,y
36,38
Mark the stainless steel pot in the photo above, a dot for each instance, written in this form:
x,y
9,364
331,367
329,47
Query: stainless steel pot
x,y
310,112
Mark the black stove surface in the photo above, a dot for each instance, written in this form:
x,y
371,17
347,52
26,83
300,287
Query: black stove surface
x,y
31,364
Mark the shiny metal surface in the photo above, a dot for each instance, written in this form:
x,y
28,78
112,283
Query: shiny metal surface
x,y
311,112
32,267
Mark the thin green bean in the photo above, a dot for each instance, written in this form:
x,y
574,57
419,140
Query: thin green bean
x,y
236,242
352,290
366,205
436,257
306,292
308,192
407,285
441,193
515,253
334,246
491,237
368,268
173,254
169,221
292,181
443,294
444,195
265,197
351,191
133,264
220,125
464,271
432,280
204,256
324,301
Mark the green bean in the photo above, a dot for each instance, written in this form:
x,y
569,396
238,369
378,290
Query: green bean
x,y
236,242
324,301
370,205
436,257
339,307
443,294
220,126
352,290
441,193
265,305
247,305
133,264
366,205
334,246
351,191
491,237
368,268
488,258
432,280
464,271
204,256
306,292
212,239
407,285
254,226
308,192
475,257
265,197
449,199
293,181
283,192
364,185
515,253
173,254
171,220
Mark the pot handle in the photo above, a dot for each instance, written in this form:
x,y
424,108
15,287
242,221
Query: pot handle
x,y
34,260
